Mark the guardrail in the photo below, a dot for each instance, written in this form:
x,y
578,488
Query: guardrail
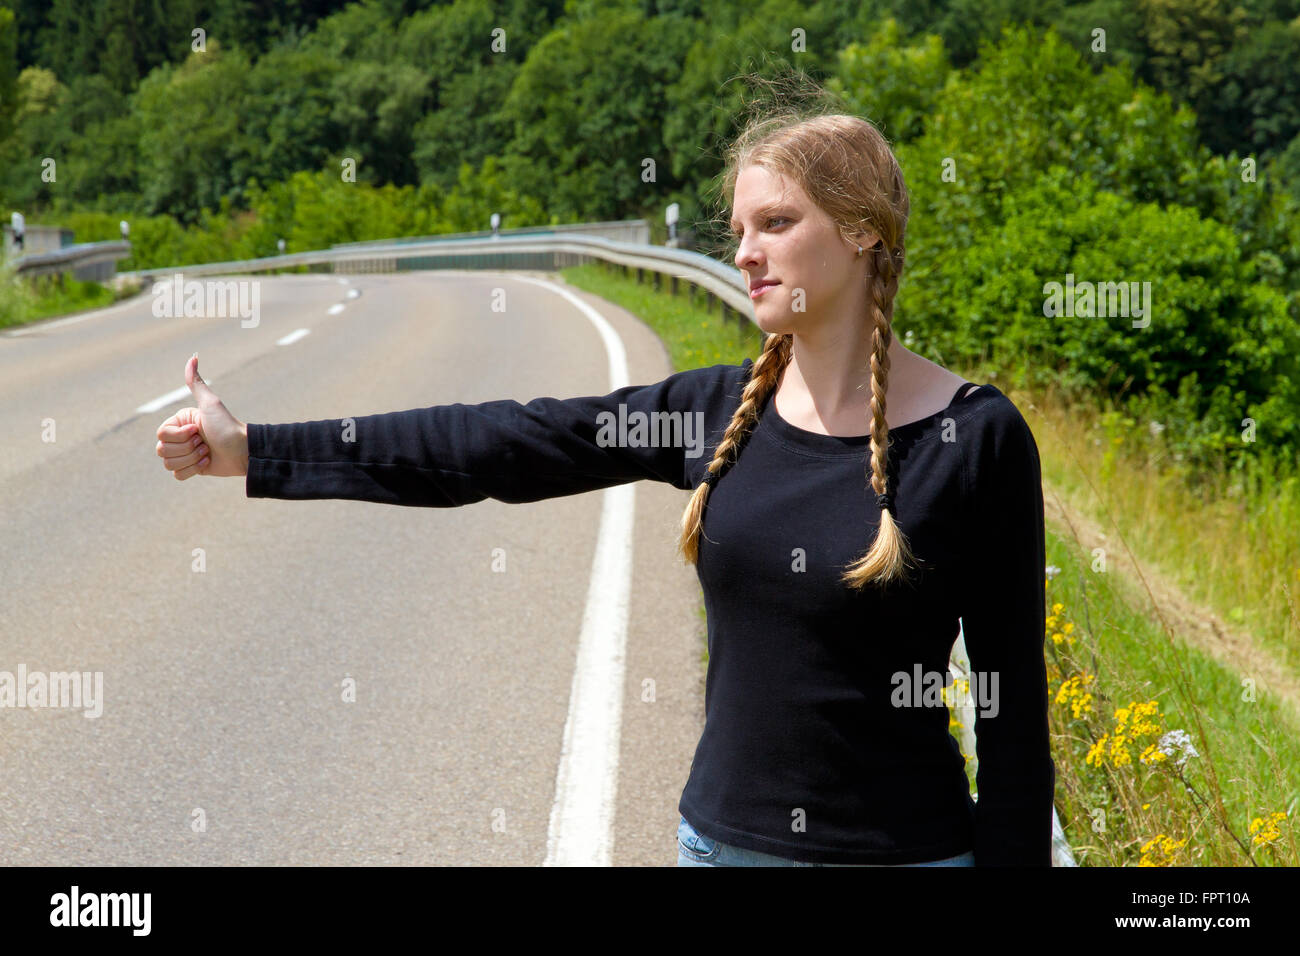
x,y
543,252
620,230
87,261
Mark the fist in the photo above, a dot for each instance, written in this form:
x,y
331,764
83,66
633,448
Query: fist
x,y
203,440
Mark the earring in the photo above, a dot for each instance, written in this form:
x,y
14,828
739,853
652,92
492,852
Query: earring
x,y
859,252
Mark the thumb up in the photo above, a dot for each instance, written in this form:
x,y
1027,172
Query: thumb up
x,y
203,440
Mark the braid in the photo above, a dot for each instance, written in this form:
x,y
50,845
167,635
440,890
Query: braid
x,y
889,553
763,377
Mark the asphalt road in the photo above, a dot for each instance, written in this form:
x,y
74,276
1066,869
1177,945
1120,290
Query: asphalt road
x,y
224,737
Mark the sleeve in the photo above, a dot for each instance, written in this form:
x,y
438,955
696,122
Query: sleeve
x,y
1003,625
446,456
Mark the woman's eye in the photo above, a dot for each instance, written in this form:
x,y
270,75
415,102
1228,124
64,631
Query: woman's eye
x,y
739,234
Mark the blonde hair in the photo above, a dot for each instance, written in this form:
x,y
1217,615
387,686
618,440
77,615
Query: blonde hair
x,y
846,167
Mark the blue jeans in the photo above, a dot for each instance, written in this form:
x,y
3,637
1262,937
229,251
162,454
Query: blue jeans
x,y
696,849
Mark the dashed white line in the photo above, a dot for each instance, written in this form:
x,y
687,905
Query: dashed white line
x,y
293,336
171,398
336,308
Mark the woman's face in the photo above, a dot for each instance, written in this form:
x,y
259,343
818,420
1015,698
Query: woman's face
x,y
786,238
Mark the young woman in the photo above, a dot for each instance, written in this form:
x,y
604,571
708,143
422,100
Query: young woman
x,y
858,501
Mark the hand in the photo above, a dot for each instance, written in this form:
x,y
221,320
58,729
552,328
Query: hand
x,y
207,440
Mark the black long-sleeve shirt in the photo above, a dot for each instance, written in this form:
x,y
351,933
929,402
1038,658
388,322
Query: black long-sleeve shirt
x,y
825,739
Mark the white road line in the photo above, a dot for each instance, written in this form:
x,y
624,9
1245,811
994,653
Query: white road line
x,y
354,293
293,336
586,784
171,398
336,308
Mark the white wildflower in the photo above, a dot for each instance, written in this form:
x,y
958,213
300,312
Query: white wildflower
x,y
1177,742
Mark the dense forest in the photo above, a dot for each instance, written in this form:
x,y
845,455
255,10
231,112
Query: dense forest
x,y
1151,140
139,121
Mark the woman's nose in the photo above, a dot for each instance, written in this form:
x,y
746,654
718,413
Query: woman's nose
x,y
746,254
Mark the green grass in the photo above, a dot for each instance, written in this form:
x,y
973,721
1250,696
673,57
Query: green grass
x,y
1233,545
30,300
1248,749
694,337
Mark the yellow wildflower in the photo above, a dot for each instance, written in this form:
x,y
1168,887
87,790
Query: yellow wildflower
x,y
1160,850
1095,753
1072,692
1152,754
1265,829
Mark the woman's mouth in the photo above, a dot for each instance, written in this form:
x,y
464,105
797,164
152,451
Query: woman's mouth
x,y
759,290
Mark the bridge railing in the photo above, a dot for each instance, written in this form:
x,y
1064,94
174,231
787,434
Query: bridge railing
x,y
87,261
545,252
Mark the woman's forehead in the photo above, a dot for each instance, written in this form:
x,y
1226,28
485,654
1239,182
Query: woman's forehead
x,y
763,194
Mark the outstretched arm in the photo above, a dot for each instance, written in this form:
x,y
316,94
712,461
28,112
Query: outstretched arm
x,y
450,455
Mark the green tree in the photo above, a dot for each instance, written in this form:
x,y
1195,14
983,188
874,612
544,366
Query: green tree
x,y
1288,167
468,207
8,73
96,140
453,46
190,132
36,136
467,126
1121,21
1188,40
1033,101
375,108
1256,106
106,165
1208,320
288,117
890,82
122,40
587,110
360,32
